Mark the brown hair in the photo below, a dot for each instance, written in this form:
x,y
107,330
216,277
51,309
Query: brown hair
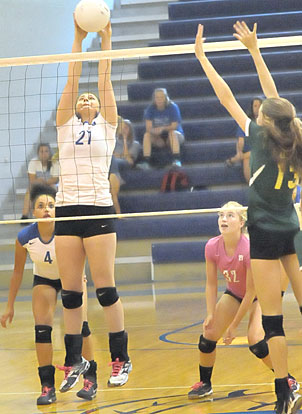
x,y
130,136
283,132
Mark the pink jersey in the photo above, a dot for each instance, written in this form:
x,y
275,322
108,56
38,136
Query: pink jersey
x,y
233,268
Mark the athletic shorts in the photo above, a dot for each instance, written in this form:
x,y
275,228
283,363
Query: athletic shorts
x,y
84,228
270,245
55,283
229,292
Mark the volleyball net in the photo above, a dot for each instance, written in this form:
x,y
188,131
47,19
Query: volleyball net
x,y
31,87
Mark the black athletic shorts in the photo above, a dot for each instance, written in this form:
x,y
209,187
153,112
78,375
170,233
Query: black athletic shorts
x,y
84,228
228,292
270,245
55,283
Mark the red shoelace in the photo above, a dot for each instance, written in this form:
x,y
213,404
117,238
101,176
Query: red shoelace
x,y
197,385
87,385
116,367
45,391
65,369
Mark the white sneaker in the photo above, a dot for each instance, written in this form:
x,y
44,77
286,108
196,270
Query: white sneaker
x,y
72,374
295,403
120,373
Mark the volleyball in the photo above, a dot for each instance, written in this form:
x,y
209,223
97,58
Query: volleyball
x,y
92,15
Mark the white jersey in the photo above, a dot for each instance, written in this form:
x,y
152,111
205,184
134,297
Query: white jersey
x,y
85,153
42,254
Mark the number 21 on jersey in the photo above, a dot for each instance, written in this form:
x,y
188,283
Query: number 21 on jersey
x,y
81,140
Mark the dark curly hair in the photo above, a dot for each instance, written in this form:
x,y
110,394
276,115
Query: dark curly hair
x,y
41,189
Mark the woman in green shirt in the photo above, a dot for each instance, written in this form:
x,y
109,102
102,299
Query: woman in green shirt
x,y
276,164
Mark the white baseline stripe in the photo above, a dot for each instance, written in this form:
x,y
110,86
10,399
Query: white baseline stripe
x,y
266,384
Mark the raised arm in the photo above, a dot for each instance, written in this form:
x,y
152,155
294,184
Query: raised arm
x,y
221,88
66,107
106,93
249,39
16,279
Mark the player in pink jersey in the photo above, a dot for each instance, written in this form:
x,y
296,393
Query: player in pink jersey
x,y
229,254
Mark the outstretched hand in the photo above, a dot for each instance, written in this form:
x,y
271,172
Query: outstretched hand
x,y
79,33
245,36
106,32
199,41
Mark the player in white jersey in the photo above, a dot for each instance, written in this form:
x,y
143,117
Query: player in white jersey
x,y
37,240
86,138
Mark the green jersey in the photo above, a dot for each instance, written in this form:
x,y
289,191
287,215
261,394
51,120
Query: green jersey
x,y
270,204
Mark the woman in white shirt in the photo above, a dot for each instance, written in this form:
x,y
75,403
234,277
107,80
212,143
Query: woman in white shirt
x,y
40,170
86,140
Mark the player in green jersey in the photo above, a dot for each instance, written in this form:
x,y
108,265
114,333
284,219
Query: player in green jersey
x,y
276,153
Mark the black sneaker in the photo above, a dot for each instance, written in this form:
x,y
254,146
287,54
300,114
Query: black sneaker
x,y
120,373
290,406
48,396
72,374
88,392
200,390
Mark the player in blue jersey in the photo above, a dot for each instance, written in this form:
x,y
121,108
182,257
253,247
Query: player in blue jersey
x,y
276,164
37,240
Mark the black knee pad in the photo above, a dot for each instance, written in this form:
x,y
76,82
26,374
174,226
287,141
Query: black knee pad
x,y
43,334
260,349
206,345
273,326
85,329
71,299
107,296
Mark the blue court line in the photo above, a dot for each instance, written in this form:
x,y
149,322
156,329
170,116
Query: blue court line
x,y
163,337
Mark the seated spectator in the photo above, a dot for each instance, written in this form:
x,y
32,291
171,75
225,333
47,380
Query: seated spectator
x,y
40,170
163,127
242,148
127,149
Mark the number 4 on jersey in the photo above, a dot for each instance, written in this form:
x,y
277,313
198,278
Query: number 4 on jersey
x,y
48,258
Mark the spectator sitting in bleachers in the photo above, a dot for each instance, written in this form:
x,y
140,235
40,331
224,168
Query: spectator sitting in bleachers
x,y
163,129
242,148
40,170
127,149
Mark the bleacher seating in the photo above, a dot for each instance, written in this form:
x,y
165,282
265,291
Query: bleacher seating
x,y
163,227
200,176
180,200
202,9
209,130
224,24
178,252
194,87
